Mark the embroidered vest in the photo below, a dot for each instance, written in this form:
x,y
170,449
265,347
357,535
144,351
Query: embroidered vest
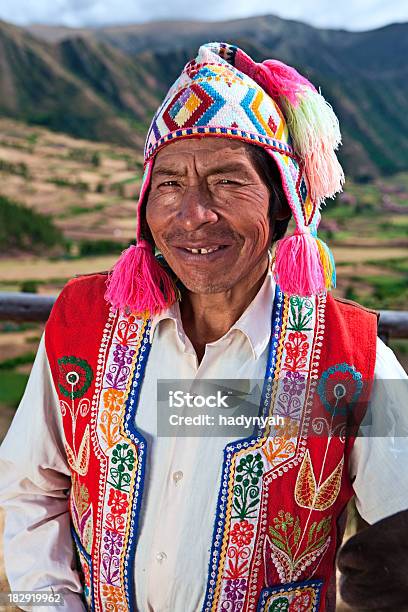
x,y
283,490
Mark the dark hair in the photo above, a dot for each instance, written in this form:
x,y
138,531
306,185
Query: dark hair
x,y
270,175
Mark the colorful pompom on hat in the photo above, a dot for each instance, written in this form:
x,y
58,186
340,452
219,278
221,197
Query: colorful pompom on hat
x,y
224,93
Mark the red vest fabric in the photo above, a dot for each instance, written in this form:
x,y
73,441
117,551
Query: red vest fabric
x,y
283,489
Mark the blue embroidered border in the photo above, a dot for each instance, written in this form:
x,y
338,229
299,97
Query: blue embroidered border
x,y
139,440
285,589
232,448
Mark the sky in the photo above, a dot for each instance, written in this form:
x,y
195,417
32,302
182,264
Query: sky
x,y
347,14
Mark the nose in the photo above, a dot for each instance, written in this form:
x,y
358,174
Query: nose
x,y
196,208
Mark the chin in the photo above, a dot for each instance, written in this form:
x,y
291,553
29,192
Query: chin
x,y
207,288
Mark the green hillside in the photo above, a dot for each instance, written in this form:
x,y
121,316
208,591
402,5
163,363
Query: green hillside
x,y
104,84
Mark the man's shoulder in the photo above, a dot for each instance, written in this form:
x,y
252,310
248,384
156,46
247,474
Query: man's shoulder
x,y
81,299
345,303
84,284
348,318
354,309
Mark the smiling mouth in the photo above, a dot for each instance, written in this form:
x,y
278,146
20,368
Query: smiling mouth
x,y
204,251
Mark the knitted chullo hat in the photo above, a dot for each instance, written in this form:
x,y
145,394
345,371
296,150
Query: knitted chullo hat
x,y
224,93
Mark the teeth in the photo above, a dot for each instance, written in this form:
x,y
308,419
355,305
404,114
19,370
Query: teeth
x,y
203,251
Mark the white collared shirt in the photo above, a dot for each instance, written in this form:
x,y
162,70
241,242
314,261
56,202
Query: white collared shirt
x,y
182,475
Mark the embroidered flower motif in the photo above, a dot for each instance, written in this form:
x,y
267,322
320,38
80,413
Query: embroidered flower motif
x,y
297,348
123,355
242,533
283,520
75,376
280,605
116,522
118,501
294,383
250,470
289,429
113,399
124,456
113,542
127,331
113,597
302,602
235,589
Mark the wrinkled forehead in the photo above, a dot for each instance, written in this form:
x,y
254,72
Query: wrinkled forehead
x,y
205,156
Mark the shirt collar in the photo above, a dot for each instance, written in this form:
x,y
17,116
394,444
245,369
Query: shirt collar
x,y
254,323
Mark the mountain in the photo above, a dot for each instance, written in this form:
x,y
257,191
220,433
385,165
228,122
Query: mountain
x,y
105,83
39,88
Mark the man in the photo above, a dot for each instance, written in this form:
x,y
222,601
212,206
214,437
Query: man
x,y
207,523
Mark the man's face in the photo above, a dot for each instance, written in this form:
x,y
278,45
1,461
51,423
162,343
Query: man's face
x,y
207,194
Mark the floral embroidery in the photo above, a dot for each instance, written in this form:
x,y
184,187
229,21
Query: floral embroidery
x,y
127,331
278,449
317,496
114,598
296,597
87,579
75,377
283,520
301,311
279,605
112,547
81,512
297,348
242,533
235,590
237,565
124,457
79,463
289,402
283,546
117,501
288,429
339,388
246,491
294,383
110,417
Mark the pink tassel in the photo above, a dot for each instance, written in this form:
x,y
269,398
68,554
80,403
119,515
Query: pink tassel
x,y
298,267
139,282
312,124
278,79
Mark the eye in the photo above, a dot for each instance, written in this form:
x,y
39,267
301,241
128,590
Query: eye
x,y
228,182
169,184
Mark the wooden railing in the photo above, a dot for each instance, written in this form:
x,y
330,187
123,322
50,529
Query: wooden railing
x,y
33,307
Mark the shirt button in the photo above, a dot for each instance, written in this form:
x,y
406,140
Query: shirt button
x,y
177,476
161,556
